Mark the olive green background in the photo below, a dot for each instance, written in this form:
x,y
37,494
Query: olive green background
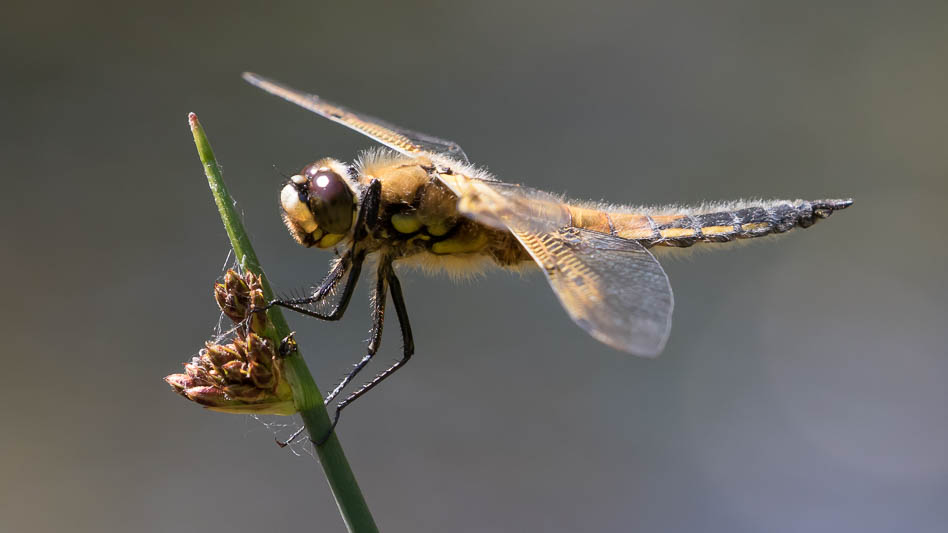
x,y
803,388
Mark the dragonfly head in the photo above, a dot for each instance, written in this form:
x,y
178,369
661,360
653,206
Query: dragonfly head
x,y
318,204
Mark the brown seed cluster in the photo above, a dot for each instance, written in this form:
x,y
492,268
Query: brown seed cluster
x,y
246,375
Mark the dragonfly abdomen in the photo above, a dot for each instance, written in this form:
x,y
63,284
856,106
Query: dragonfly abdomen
x,y
723,224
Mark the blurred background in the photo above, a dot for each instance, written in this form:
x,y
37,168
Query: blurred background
x,y
803,388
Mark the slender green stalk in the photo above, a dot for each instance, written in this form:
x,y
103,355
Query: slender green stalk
x,y
306,396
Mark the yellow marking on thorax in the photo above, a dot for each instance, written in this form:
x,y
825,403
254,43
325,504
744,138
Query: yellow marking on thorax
x,y
438,228
405,223
330,240
427,208
461,244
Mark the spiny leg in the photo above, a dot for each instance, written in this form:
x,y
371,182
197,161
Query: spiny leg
x,y
325,288
366,221
408,342
375,340
368,217
375,336
352,261
408,346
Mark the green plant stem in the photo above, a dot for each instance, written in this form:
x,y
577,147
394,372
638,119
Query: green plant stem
x,y
306,396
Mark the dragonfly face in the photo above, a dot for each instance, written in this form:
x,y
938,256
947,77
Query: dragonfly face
x,y
319,204
424,204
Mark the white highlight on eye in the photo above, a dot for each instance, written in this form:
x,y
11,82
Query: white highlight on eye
x,y
322,181
297,179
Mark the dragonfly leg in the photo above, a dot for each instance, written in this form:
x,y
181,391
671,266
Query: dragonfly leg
x,y
351,261
366,221
408,346
375,336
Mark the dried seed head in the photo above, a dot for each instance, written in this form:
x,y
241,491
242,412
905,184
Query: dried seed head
x,y
262,377
236,386
240,348
197,373
207,396
233,296
244,392
235,371
180,382
245,375
257,300
227,304
259,320
237,285
259,349
217,355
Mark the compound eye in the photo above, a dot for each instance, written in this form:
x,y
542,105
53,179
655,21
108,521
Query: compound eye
x,y
330,199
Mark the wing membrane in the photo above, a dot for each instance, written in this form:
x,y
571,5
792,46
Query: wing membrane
x,y
403,140
507,206
611,287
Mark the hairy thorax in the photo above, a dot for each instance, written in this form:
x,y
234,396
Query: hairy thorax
x,y
420,224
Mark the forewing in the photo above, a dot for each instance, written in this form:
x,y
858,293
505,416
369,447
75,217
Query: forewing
x,y
507,206
403,140
611,287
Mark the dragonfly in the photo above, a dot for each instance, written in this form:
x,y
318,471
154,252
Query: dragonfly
x,y
420,202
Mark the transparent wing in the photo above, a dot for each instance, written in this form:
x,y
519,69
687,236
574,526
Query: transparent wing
x,y
403,140
507,206
611,287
